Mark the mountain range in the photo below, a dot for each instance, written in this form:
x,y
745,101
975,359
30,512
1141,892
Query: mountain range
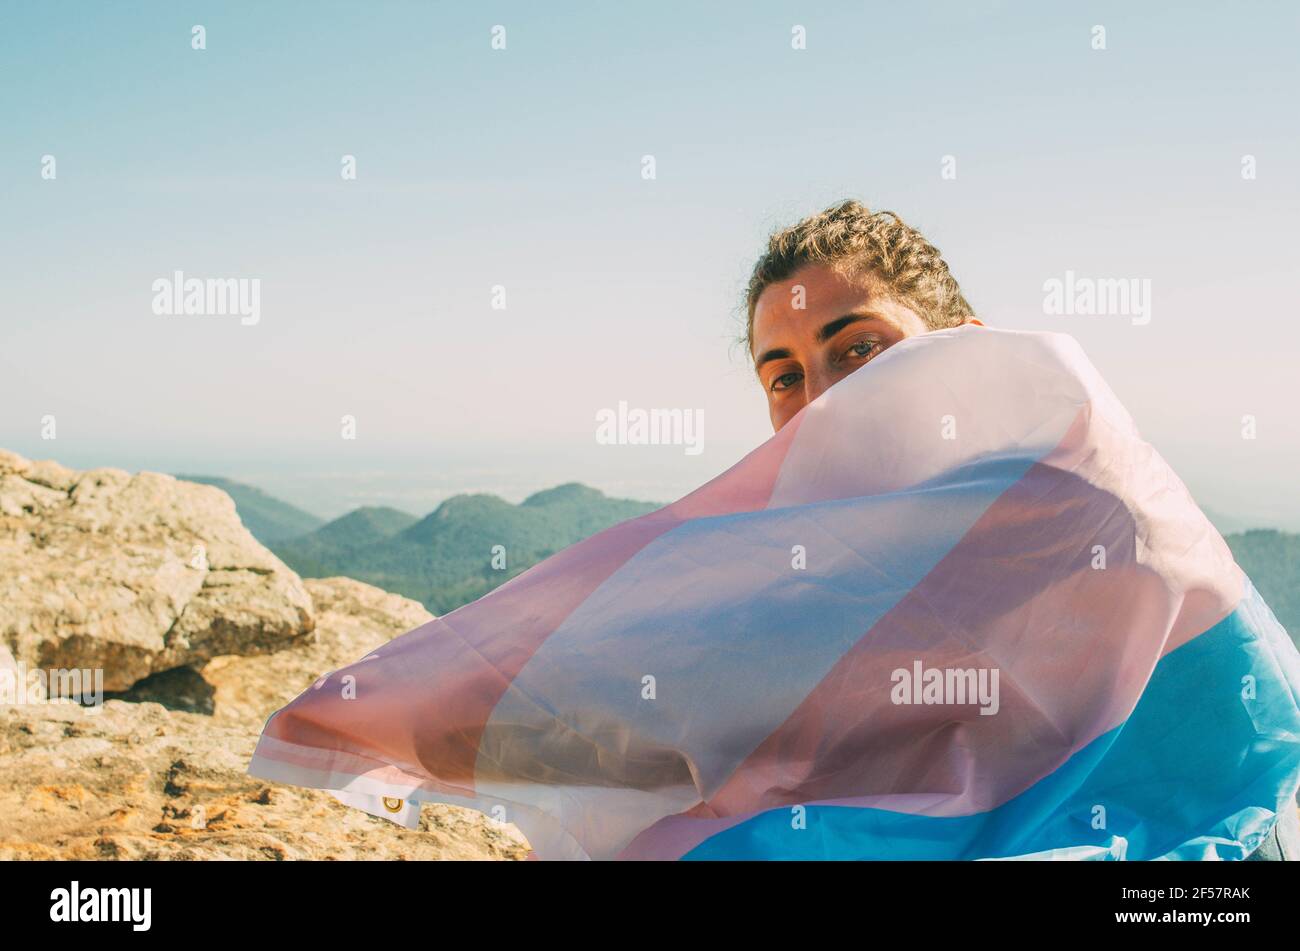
x,y
445,559
449,557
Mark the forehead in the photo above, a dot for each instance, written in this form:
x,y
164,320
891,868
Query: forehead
x,y
807,299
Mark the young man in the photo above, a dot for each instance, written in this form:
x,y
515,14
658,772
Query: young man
x,y
839,288
834,291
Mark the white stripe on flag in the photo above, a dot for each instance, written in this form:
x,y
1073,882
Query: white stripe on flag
x,y
404,812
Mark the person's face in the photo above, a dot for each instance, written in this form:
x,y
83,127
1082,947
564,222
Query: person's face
x,y
806,341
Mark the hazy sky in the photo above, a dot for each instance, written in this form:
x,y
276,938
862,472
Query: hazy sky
x,y
522,167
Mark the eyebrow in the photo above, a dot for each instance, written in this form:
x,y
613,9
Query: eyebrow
x,y
826,333
780,353
838,324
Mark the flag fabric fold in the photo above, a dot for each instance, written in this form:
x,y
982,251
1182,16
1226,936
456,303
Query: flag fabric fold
x,y
957,608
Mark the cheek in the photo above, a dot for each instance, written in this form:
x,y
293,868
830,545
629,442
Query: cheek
x,y
781,413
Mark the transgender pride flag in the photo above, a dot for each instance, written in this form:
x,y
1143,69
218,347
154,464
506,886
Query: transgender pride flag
x,y
724,678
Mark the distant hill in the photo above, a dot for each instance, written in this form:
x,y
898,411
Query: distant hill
x,y
444,560
269,519
339,541
1272,559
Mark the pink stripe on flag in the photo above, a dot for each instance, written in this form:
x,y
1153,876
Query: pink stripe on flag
x,y
1019,593
453,671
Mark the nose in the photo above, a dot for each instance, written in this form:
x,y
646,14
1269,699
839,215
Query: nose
x,y
816,382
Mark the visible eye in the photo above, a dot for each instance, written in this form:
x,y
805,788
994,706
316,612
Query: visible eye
x,y
786,380
863,348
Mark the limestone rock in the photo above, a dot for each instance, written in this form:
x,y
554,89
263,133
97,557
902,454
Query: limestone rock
x,y
352,619
137,781
134,574
157,582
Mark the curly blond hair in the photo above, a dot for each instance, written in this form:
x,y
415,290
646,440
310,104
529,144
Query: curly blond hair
x,y
877,243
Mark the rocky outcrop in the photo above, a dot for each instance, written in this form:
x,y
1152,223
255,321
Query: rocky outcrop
x,y
137,781
134,574
352,619
201,634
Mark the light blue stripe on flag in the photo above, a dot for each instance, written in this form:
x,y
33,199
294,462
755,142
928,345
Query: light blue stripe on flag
x,y
1197,770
